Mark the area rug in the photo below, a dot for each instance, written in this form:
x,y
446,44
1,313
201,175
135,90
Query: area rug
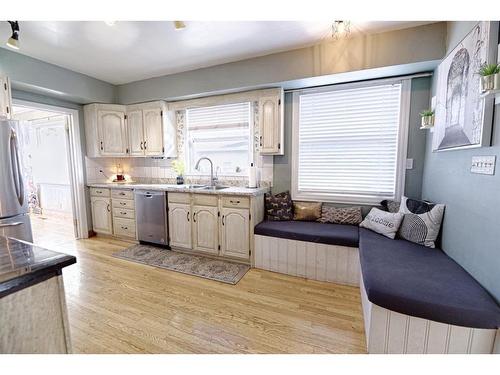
x,y
196,265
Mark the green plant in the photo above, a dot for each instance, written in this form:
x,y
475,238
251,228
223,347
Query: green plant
x,y
178,167
489,69
427,112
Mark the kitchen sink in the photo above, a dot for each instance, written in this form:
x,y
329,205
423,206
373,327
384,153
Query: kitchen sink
x,y
212,187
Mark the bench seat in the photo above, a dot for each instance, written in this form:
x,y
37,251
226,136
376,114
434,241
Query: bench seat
x,y
310,231
418,281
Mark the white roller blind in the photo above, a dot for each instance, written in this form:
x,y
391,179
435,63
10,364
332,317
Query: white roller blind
x,y
221,133
348,142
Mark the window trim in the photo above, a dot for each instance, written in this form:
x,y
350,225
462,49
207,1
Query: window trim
x,y
402,150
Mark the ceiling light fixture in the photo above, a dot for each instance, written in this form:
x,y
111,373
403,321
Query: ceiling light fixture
x,y
13,41
341,29
179,25
110,23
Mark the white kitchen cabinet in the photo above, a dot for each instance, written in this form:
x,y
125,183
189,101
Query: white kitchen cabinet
x,y
179,225
135,132
205,229
101,215
112,133
271,124
153,131
5,98
235,236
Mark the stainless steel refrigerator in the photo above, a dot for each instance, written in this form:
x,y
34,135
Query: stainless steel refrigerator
x,y
14,218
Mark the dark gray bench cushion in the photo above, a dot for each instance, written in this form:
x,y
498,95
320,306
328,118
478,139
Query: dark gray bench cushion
x,y
415,280
311,231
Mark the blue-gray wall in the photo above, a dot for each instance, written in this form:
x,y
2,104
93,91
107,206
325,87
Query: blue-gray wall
x,y
471,227
420,98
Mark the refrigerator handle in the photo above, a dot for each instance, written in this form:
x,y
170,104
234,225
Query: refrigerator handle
x,y
16,169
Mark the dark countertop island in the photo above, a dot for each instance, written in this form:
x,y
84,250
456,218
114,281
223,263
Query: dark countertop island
x,y
23,264
33,313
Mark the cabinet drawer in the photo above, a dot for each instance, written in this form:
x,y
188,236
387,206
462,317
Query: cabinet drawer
x,y
123,203
178,198
99,192
205,200
123,213
124,227
237,202
122,194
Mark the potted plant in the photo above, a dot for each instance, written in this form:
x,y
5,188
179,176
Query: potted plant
x,y
490,77
178,167
427,118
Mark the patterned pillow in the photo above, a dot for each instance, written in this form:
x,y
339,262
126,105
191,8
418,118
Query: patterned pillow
x,y
390,206
421,222
279,207
341,215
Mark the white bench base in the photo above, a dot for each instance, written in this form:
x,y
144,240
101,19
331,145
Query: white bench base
x,y
337,264
389,332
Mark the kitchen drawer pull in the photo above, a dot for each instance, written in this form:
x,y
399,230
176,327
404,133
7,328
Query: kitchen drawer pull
x,y
187,215
121,193
123,213
235,202
124,228
123,203
223,220
98,191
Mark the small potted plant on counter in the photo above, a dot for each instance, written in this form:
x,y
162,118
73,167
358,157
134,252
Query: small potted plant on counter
x,y
490,77
178,167
427,118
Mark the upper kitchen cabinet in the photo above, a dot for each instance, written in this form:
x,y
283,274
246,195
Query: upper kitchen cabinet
x,y
151,130
271,123
146,129
5,98
106,130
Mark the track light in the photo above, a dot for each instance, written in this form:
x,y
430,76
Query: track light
x,y
13,41
179,25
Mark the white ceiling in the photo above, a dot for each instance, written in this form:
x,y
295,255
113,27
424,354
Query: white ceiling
x,y
132,50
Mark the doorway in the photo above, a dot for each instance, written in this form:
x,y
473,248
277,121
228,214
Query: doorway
x,y
52,171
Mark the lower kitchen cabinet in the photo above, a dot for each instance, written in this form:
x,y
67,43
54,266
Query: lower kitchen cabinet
x,y
235,237
101,215
205,229
179,225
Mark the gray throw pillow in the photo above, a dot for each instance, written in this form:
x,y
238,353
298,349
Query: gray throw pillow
x,y
385,223
421,222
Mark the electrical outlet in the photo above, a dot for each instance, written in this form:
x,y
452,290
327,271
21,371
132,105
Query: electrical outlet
x,y
409,163
483,165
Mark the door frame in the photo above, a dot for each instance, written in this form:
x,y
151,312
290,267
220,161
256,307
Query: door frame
x,y
76,167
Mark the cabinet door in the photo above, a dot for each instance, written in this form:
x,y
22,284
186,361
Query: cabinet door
x,y
5,98
153,131
112,133
179,225
205,229
271,125
101,215
235,231
135,132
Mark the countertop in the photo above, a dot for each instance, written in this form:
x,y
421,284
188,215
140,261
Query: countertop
x,y
23,264
233,190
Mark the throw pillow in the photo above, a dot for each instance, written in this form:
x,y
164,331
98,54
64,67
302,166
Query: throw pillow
x,y
341,215
306,211
279,207
390,206
385,223
421,222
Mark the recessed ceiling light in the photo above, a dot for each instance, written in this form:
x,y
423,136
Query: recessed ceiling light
x,y
110,23
179,25
13,41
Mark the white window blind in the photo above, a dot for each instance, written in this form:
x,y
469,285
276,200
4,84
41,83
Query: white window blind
x,y
221,133
348,143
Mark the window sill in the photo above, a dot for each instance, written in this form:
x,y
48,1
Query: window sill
x,y
365,200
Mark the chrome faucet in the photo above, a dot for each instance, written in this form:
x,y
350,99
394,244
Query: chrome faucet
x,y
213,180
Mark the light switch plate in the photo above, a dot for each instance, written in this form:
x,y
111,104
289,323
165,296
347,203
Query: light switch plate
x,y
483,164
409,163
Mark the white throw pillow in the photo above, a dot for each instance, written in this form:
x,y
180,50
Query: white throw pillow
x,y
385,223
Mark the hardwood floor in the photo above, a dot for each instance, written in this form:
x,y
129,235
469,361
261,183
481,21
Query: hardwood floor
x,y
116,306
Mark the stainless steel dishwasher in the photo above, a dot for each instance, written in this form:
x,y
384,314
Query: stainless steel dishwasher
x,y
151,216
